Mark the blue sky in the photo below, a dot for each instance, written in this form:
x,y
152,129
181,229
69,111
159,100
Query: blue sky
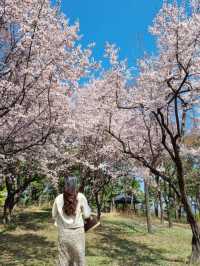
x,y
124,23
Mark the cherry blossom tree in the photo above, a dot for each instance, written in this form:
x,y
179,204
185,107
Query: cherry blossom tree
x,y
19,173
40,63
164,94
98,168
150,117
89,148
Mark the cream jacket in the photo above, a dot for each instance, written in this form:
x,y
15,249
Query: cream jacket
x,y
64,221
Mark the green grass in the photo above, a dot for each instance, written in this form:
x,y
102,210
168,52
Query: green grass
x,y
120,241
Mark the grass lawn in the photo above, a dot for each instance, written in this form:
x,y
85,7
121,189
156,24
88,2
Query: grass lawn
x,y
120,241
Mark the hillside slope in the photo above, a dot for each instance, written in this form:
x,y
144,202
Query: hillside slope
x,y
120,241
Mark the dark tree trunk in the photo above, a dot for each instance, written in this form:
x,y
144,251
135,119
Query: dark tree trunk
x,y
169,213
13,196
195,257
170,207
168,201
198,198
98,204
156,208
161,207
147,205
156,202
134,207
159,198
8,207
169,216
175,207
179,212
9,201
176,215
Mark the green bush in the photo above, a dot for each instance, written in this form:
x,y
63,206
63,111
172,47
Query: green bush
x,y
3,194
197,217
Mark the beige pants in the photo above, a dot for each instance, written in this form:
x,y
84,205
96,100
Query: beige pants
x,y
71,247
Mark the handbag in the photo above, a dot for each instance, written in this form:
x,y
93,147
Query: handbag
x,y
91,223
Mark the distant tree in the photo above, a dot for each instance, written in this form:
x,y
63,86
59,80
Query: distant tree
x,y
18,176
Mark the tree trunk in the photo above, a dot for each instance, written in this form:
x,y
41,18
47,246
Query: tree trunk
x,y
98,206
156,208
161,207
8,207
194,202
179,212
169,215
13,196
113,205
170,207
168,201
198,198
156,202
147,205
134,207
195,257
9,201
176,200
159,196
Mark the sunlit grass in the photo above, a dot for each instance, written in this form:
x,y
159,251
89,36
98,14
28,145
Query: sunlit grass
x,y
120,241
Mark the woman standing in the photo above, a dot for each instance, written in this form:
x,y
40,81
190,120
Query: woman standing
x,y
69,211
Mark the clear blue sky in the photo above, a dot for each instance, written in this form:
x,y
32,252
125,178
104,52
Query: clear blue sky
x,y
124,23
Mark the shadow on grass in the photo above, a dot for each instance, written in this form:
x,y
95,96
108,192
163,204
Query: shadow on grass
x,y
119,246
33,220
115,243
28,220
26,248
123,227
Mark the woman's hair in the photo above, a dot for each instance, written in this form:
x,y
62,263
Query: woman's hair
x,y
70,195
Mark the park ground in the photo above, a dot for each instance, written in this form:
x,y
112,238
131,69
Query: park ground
x,y
119,241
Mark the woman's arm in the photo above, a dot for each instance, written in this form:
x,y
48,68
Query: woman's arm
x,y
85,207
54,210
